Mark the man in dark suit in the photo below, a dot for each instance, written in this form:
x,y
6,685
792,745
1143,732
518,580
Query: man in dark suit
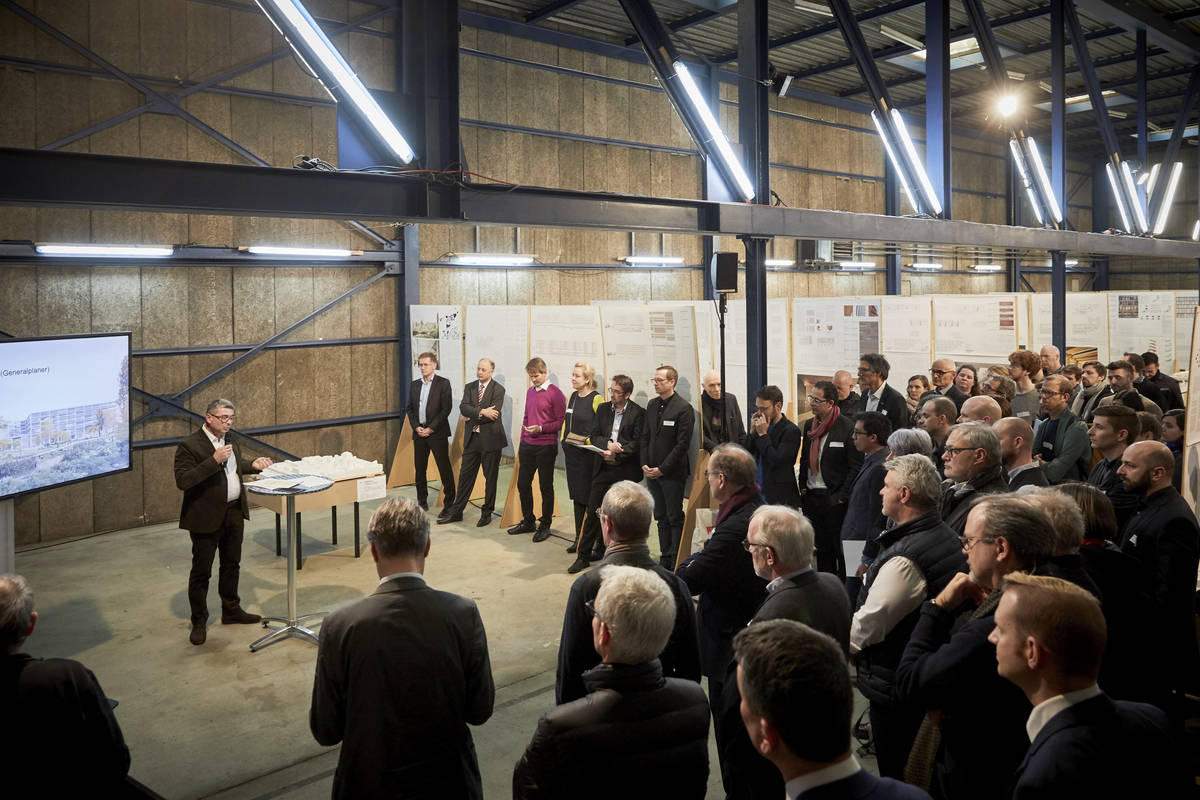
x,y
1049,638
620,423
1164,538
780,541
720,416
430,400
864,519
667,460
1016,454
1167,386
51,704
401,673
625,513
797,705
208,469
829,463
1114,428
1147,389
723,572
774,441
942,375
483,439
848,399
873,371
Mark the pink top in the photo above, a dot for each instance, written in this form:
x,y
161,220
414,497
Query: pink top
x,y
546,407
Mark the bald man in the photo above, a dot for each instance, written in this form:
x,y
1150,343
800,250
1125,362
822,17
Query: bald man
x,y
981,409
1016,452
848,400
1164,538
721,419
941,375
1051,361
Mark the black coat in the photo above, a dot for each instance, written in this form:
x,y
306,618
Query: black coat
x,y
1126,671
956,506
204,482
864,513
627,465
777,450
1105,478
580,463
730,592
840,461
399,676
1102,748
636,734
1169,388
891,404
1028,477
491,431
667,436
576,650
437,407
953,394
732,428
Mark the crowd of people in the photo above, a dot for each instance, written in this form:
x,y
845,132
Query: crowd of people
x,y
1000,561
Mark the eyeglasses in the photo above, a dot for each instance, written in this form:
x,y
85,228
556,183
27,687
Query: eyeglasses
x,y
747,544
590,605
817,401
714,473
942,372
223,417
857,432
953,451
865,370
967,544
1052,394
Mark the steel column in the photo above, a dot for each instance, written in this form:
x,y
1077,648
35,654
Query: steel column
x,y
1143,129
408,294
1058,107
1058,301
891,204
754,134
937,101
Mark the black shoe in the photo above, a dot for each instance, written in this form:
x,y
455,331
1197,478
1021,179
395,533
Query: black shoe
x,y
579,565
522,527
597,555
198,634
449,518
484,519
573,548
542,534
239,617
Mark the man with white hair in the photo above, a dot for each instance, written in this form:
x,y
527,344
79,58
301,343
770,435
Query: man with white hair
x,y
720,416
1051,361
649,733
848,399
972,467
942,374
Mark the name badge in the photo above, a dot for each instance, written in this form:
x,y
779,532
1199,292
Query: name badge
x,y
1133,539
669,423
837,444
1022,413
570,411
1048,445
883,411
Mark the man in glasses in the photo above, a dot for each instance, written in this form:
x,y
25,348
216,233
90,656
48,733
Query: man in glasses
x,y
208,469
941,375
936,415
873,370
973,466
774,441
1061,443
918,557
864,515
665,459
828,464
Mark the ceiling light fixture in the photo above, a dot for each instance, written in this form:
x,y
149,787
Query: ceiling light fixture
x,y
1019,160
1007,105
902,38
813,8
787,84
1118,195
915,161
1039,169
926,266
493,259
653,260
716,135
897,164
988,267
1196,231
104,251
780,262
302,252
1138,211
856,264
1164,209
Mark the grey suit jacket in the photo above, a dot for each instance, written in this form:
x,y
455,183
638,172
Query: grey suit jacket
x,y
399,675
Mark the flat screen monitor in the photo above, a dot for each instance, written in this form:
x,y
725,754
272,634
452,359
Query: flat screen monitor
x,y
64,410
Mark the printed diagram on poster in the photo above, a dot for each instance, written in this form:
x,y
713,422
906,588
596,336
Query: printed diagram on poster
x,y
1141,322
975,328
509,352
1185,312
1087,326
438,330
563,336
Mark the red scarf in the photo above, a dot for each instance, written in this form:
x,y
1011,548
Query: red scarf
x,y
815,433
743,495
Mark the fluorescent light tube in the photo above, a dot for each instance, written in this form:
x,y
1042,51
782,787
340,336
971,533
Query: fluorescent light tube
x,y
813,8
1196,231
714,131
856,264
1150,177
779,262
918,167
902,38
104,251
1164,210
1138,211
1040,170
1020,162
926,265
1071,262
896,162
787,84
988,267
302,252
338,71
1116,190
653,259
491,260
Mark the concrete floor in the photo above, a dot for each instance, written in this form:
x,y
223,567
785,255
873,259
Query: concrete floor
x,y
219,721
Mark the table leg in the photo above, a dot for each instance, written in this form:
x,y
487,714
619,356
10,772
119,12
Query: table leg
x,y
357,551
278,546
291,624
333,522
299,547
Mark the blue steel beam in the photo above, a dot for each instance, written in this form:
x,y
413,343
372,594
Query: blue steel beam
x,y
549,10
1140,78
1058,300
1058,107
754,135
165,406
937,102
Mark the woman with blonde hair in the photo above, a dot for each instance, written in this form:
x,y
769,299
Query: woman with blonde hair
x,y
581,464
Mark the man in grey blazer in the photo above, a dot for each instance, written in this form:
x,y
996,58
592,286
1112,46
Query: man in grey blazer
x,y
483,439
401,673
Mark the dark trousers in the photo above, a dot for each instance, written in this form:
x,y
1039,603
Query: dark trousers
x,y
226,540
422,447
668,513
591,540
893,730
473,457
539,458
826,518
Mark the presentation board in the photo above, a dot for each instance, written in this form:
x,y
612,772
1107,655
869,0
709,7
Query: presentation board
x,y
439,330
1191,436
638,339
510,351
829,334
1141,321
1185,312
975,329
1087,325
64,410
563,336
779,367
708,342
906,338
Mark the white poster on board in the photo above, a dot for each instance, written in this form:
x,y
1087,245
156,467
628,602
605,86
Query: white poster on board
x,y
438,330
975,329
1141,321
906,338
1185,312
501,333
639,339
708,341
1087,325
779,367
829,334
563,336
